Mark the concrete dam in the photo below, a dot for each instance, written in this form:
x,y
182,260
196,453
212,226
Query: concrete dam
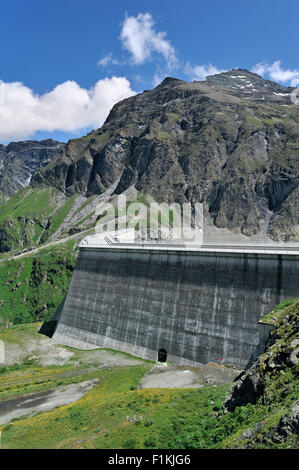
x,y
189,305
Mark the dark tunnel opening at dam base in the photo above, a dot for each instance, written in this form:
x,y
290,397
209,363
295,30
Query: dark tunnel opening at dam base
x,y
201,305
162,355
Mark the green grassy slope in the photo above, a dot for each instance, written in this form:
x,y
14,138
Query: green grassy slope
x,y
34,363
24,217
32,287
116,414
33,215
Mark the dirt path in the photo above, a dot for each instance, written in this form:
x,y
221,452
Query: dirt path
x,y
29,405
46,378
47,245
57,242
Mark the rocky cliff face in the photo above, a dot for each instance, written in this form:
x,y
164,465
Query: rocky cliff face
x,y
230,142
19,161
272,381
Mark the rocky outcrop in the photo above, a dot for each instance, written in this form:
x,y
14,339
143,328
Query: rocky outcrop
x,y
19,161
230,142
289,423
282,353
272,381
287,428
247,389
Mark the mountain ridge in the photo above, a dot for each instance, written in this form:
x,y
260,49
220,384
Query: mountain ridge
x,y
234,149
197,142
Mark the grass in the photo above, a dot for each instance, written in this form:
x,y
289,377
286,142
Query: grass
x,y
23,217
101,419
58,218
174,116
32,287
62,425
30,203
117,414
27,378
26,375
277,313
163,135
32,216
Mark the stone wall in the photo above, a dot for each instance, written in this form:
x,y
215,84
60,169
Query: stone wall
x,y
198,306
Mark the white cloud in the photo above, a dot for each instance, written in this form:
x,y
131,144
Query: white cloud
x,y
68,107
200,72
108,60
277,73
260,69
158,77
141,40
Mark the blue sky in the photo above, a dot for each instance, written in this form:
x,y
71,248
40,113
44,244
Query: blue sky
x,y
64,63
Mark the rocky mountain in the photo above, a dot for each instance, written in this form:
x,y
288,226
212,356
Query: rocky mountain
x,y
251,86
19,161
231,142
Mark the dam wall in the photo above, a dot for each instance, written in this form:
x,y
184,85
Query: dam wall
x,y
198,306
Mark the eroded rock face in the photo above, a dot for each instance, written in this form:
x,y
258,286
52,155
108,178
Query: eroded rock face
x,y
281,355
231,142
19,161
272,381
289,423
247,389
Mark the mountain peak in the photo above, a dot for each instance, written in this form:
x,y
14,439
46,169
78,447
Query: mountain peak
x,y
249,85
239,82
209,141
169,81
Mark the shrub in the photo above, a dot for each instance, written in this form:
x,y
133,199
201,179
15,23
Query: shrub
x,y
129,443
150,442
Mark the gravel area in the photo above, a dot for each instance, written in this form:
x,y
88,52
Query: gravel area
x,y
31,404
165,376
